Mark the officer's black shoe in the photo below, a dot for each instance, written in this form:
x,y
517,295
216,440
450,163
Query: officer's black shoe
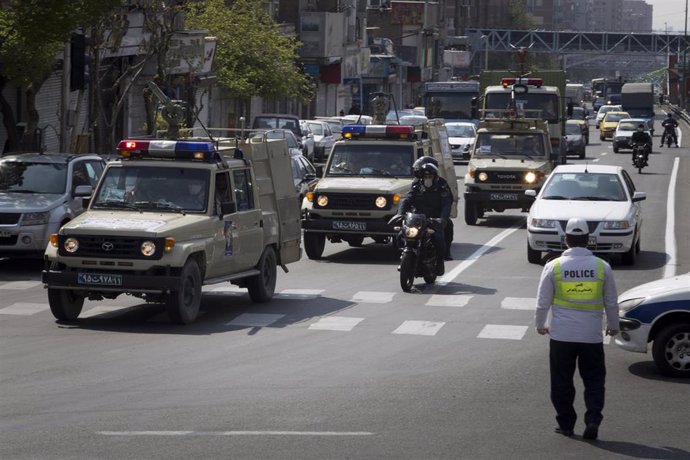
x,y
449,256
564,432
591,432
440,268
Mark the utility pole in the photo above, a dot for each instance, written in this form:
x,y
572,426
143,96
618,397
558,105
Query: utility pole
x,y
683,86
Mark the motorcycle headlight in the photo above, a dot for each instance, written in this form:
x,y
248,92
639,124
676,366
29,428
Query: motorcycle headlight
x,y
411,232
35,218
627,305
148,248
322,200
544,223
71,245
381,202
616,224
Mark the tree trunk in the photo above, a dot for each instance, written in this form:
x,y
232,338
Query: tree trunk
x,y
9,121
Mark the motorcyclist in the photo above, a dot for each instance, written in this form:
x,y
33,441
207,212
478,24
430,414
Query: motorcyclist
x,y
670,124
641,137
433,198
449,229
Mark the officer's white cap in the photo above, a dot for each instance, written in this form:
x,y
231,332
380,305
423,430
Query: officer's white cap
x,y
576,226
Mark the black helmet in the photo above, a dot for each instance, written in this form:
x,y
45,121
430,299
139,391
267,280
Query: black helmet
x,y
669,115
429,168
417,165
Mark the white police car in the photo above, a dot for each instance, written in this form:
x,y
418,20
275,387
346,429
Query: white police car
x,y
658,312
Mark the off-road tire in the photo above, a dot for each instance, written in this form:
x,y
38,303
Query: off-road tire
x,y
65,305
183,305
670,344
471,213
262,286
314,244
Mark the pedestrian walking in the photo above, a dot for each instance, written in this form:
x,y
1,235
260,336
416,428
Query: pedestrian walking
x,y
578,288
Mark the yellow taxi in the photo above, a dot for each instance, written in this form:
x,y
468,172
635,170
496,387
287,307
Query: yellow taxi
x,y
609,124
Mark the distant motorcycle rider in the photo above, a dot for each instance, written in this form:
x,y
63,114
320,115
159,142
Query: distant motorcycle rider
x,y
642,138
449,229
433,198
670,124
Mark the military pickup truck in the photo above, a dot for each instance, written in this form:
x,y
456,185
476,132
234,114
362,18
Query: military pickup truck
x,y
172,215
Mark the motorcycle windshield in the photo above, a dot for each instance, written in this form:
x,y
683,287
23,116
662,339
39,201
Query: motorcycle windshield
x,y
414,220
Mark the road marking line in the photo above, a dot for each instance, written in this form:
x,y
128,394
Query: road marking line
x,y
604,153
451,275
372,297
24,309
519,303
255,320
499,331
228,289
419,328
335,323
235,433
670,237
303,294
595,160
438,300
20,285
102,310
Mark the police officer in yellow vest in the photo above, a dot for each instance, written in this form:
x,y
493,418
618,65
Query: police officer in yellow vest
x,y
579,289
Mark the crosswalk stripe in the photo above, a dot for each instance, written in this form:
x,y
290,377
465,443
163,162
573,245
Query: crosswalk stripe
x,y
501,331
20,285
304,294
255,320
372,297
519,303
24,309
419,327
101,310
438,300
336,323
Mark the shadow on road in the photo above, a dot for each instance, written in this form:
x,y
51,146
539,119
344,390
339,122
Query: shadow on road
x,y
634,450
20,269
647,370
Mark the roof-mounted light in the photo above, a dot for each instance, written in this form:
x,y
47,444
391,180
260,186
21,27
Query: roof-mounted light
x,y
535,82
378,131
168,149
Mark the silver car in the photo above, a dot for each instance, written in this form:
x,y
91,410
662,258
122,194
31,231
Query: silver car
x,y
39,193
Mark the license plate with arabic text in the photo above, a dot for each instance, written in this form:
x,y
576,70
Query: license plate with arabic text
x,y
99,279
504,196
344,225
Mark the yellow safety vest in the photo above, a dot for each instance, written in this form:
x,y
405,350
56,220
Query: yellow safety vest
x,y
580,295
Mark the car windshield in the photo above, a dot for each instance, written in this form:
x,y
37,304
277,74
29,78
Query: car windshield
x,y
351,159
490,144
279,134
26,177
543,105
628,125
613,117
316,128
149,188
584,186
460,130
571,128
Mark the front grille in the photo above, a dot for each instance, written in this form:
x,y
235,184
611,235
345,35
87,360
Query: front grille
x,y
9,218
9,240
591,224
502,177
555,246
112,247
352,201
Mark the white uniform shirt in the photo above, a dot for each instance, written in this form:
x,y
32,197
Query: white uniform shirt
x,y
572,325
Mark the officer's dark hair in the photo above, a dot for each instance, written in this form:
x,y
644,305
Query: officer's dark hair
x,y
576,241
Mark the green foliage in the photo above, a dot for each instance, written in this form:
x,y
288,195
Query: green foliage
x,y
253,58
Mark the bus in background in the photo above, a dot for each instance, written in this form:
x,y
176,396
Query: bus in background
x,y
451,100
606,86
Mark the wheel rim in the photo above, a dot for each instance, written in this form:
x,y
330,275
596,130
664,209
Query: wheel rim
x,y
677,351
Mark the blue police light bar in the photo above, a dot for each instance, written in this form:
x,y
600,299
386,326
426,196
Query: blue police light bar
x,y
168,149
378,131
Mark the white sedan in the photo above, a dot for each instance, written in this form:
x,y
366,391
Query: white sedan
x,y
658,312
603,195
461,136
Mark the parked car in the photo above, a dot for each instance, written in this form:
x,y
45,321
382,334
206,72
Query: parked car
x,y
659,313
603,110
39,193
461,137
622,137
609,124
336,125
604,195
293,144
266,121
307,140
575,139
323,139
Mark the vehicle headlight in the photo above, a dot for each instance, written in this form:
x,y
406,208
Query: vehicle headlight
x,y
411,232
530,177
616,224
381,201
322,200
544,223
148,248
71,245
483,176
627,305
35,218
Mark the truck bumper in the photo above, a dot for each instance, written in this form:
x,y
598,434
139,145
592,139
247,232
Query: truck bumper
x,y
500,199
348,227
109,281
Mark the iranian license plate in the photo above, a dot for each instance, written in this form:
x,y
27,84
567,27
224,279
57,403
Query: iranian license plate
x,y
592,241
101,279
504,196
341,225
6,234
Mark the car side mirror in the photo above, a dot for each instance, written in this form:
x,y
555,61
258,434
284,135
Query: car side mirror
x,y
639,196
531,192
228,207
309,176
83,190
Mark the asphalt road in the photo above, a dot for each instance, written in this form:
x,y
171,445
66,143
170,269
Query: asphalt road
x,y
341,364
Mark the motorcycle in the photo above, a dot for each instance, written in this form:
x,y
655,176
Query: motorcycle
x,y
418,258
640,152
668,136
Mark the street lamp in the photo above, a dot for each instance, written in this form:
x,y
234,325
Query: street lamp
x,y
486,51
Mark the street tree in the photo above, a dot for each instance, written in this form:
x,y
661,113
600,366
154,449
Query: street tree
x,y
32,34
253,57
